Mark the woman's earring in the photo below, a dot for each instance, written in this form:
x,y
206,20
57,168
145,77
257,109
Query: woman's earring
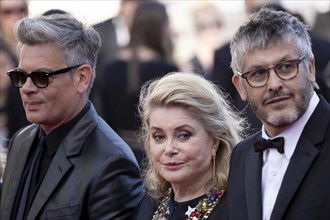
x,y
213,167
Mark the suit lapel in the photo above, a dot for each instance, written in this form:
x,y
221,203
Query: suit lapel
x,y
58,168
300,162
303,157
253,184
18,164
61,164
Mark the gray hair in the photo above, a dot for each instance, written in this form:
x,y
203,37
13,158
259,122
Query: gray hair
x,y
268,27
79,44
205,102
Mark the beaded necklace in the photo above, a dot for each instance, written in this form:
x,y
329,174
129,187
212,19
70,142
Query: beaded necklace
x,y
201,211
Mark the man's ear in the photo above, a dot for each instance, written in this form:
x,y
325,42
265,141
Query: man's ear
x,y
311,68
84,75
239,87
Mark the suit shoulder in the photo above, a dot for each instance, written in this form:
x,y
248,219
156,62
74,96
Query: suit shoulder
x,y
25,131
104,135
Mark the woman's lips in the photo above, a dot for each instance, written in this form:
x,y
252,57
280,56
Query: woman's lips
x,y
173,165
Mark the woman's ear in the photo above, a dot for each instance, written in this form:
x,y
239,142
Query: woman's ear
x,y
215,147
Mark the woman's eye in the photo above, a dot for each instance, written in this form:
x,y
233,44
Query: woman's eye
x,y
184,135
157,137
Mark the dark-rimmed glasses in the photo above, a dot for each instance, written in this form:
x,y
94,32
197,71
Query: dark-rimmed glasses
x,y
39,78
285,70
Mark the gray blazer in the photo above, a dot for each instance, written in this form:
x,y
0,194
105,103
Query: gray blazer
x,y
93,175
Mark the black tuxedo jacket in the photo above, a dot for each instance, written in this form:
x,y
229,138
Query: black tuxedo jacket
x,y
305,190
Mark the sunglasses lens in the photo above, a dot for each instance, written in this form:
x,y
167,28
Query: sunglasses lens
x,y
18,78
40,79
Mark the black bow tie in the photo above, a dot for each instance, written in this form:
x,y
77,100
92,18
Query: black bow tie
x,y
261,144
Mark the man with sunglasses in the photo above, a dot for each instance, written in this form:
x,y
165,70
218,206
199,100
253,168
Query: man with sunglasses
x,y
282,171
69,164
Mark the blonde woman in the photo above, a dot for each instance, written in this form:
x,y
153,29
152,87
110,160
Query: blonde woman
x,y
189,131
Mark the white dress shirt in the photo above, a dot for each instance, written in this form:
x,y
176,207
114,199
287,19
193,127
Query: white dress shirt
x,y
275,164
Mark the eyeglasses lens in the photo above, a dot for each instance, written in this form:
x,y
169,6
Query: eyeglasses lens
x,y
286,70
40,79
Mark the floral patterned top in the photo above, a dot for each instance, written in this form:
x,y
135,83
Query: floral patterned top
x,y
195,209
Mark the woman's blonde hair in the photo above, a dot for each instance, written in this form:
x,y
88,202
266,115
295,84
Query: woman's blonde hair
x,y
205,102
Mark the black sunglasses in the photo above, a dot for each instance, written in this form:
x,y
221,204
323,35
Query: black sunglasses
x,y
39,78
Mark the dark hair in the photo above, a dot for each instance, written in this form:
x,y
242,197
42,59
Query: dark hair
x,y
54,11
148,28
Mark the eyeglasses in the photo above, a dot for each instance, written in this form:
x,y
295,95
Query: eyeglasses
x,y
285,70
39,78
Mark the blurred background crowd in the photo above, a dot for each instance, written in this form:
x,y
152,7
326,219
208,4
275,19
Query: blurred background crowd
x,y
143,41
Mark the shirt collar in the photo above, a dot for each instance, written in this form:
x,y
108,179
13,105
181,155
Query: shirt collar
x,y
55,138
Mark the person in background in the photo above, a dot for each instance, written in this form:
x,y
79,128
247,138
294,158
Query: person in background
x,y
280,172
147,56
8,61
54,11
115,34
10,12
208,25
189,131
321,25
321,51
68,163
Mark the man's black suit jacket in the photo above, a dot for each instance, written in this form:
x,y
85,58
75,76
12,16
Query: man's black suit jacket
x,y
93,175
305,190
